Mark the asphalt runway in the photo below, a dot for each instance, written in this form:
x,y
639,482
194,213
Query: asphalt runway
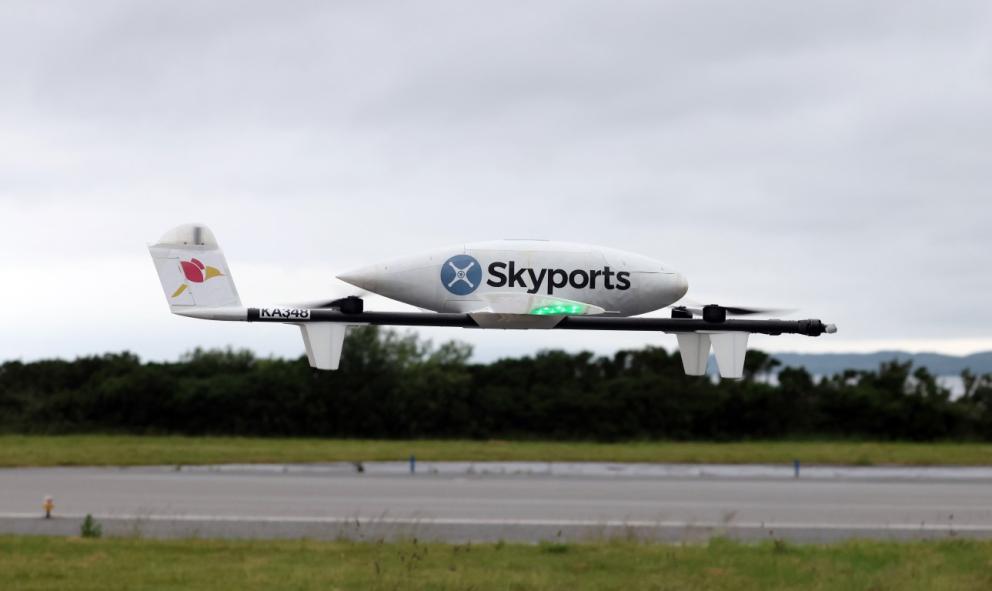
x,y
383,502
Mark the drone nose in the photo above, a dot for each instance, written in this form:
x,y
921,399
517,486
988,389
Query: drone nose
x,y
364,278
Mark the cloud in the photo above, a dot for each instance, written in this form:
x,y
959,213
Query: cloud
x,y
831,156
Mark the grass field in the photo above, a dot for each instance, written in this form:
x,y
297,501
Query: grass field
x,y
38,563
103,450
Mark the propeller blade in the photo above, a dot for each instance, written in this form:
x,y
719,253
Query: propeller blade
x,y
742,311
696,309
341,296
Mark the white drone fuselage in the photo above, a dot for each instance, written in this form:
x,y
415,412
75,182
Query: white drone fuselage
x,y
529,277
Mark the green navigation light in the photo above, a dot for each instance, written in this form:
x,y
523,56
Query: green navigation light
x,y
560,308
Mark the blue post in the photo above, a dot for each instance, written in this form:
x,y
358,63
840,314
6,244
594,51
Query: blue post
x,y
795,467
413,463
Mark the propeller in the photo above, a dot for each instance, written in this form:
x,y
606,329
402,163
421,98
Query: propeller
x,y
347,299
748,311
719,313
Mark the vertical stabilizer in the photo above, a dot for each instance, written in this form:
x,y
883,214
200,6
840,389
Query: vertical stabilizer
x,y
695,351
324,342
730,349
193,270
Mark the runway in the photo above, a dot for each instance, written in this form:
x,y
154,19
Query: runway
x,y
478,502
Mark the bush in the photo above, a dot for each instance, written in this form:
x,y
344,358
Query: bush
x,y
90,528
394,385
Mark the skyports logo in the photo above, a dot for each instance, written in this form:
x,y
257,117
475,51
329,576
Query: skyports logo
x,y
461,274
508,275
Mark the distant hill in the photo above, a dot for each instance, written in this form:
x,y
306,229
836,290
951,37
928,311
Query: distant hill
x,y
938,364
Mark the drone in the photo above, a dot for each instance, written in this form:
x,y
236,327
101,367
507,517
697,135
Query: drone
x,y
502,284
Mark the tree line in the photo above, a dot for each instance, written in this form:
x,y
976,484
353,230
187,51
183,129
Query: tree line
x,y
396,385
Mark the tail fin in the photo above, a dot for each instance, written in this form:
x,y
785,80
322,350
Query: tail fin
x,y
193,270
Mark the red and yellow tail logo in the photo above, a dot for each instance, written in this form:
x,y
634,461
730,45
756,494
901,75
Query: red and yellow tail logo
x,y
196,272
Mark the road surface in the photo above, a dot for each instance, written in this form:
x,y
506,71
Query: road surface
x,y
454,504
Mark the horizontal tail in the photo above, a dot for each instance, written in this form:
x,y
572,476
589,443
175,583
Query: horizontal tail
x,y
193,270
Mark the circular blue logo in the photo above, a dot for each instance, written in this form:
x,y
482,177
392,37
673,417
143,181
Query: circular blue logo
x,y
461,274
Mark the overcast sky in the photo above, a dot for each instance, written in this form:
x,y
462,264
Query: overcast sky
x,y
834,157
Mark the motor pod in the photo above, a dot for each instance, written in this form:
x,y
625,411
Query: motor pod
x,y
714,313
349,305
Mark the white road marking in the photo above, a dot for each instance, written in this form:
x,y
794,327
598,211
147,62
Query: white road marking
x,y
901,527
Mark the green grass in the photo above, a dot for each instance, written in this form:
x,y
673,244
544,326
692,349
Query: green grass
x,y
38,563
125,450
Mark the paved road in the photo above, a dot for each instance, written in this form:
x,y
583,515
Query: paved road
x,y
336,503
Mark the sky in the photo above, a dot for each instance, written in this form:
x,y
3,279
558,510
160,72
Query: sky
x,y
834,157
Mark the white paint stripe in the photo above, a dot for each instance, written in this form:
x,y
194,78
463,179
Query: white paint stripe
x,y
364,521
558,469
